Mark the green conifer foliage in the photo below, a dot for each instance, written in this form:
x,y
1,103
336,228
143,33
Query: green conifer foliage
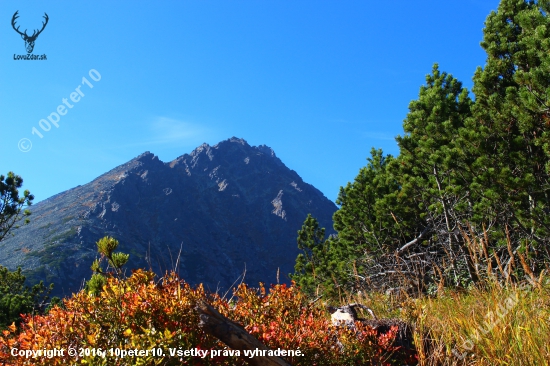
x,y
16,298
115,261
431,159
508,133
12,204
470,189
370,222
312,272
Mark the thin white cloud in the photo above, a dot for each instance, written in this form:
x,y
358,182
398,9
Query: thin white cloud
x,y
167,130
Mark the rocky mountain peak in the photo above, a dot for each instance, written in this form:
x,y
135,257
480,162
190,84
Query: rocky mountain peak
x,y
148,158
266,150
227,207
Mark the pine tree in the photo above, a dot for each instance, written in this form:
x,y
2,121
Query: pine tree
x,y
11,204
372,221
508,133
312,271
430,158
432,170
16,298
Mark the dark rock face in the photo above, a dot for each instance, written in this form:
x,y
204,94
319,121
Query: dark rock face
x,y
226,207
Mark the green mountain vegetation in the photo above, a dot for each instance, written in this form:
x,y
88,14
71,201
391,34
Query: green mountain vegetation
x,y
15,297
466,169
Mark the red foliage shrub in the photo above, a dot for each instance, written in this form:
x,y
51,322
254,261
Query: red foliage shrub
x,y
159,319
284,319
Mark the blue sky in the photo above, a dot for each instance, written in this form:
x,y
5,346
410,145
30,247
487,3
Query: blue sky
x,y
321,82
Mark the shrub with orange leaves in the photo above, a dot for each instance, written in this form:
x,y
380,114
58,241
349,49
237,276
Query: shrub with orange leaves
x,y
285,319
135,313
138,313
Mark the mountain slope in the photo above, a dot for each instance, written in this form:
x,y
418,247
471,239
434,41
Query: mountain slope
x,y
227,207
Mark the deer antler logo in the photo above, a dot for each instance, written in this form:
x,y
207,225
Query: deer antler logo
x,y
29,40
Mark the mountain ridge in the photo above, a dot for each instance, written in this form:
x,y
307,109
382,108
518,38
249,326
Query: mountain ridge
x,y
227,207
